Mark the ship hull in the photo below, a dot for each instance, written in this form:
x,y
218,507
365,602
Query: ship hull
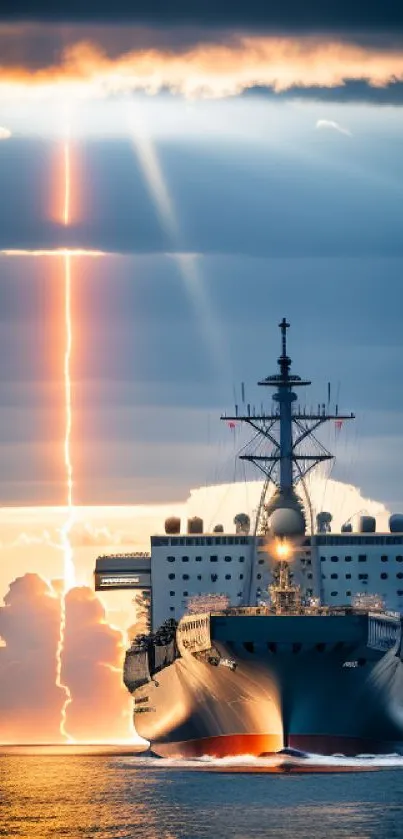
x,y
310,683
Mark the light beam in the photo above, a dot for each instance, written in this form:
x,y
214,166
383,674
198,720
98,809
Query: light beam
x,y
188,263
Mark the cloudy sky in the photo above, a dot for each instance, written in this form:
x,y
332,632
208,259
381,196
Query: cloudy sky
x,y
227,166
198,171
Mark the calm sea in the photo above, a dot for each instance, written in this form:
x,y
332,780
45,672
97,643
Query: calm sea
x,y
116,796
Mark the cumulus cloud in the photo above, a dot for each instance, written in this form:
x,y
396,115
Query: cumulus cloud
x,y
332,126
208,67
30,701
100,707
5,133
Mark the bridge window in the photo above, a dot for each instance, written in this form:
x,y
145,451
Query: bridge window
x,y
310,576
214,559
199,576
199,558
400,592
185,559
384,576
399,576
347,559
348,576
399,559
334,558
334,593
334,576
171,576
228,558
348,593
185,576
172,594
260,561
363,576
362,558
228,576
323,559
214,578
185,593
258,576
384,558
172,608
241,576
170,558
242,559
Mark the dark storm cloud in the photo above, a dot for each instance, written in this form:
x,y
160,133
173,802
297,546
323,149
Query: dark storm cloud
x,y
352,91
334,13
30,701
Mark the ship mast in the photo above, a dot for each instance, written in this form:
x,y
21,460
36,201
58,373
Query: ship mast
x,y
284,445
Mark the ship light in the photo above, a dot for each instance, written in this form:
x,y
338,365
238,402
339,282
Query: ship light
x,y
283,550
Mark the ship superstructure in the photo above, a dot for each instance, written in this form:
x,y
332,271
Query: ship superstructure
x,y
274,637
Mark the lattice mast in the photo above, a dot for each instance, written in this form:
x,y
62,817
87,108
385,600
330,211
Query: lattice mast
x,y
284,446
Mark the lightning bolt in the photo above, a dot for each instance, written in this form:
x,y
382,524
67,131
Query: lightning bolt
x,y
68,569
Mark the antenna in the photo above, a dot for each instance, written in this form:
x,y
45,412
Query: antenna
x,y
284,457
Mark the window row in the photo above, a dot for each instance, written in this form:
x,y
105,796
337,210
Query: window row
x,y
361,558
383,576
213,558
200,577
198,541
348,593
213,577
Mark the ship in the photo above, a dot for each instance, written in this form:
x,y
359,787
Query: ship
x,y
271,667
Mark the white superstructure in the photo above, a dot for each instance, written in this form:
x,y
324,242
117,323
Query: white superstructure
x,y
184,566
335,567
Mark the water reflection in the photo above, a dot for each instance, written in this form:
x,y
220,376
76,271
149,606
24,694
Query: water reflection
x,y
116,796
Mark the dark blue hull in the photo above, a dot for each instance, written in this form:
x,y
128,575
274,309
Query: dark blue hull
x,y
316,683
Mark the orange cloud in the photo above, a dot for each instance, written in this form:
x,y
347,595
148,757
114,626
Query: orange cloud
x,y
92,661
206,69
30,701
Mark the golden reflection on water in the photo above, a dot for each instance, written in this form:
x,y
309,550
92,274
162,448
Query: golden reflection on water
x,y
81,793
52,793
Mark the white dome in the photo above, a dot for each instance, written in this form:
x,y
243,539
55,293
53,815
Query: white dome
x,y
286,521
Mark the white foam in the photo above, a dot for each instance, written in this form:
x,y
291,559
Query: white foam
x,y
360,761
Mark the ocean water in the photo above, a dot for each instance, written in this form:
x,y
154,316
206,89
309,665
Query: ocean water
x,y
65,794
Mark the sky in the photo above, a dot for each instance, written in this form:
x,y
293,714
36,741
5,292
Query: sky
x,y
197,172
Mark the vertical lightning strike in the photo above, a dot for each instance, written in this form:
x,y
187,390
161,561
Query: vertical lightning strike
x,y
68,569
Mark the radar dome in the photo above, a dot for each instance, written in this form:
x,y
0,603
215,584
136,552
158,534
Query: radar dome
x,y
396,523
218,528
367,524
242,523
195,525
172,525
323,521
285,515
287,522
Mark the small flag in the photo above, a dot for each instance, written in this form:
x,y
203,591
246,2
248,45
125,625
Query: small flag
x,y
338,424
231,424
